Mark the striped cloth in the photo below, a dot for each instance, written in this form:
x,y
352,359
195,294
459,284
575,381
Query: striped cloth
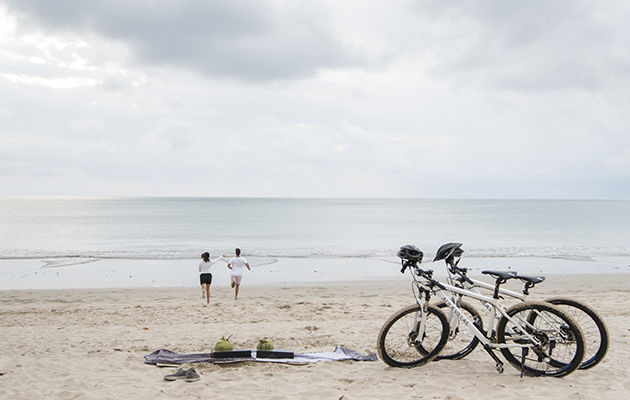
x,y
168,357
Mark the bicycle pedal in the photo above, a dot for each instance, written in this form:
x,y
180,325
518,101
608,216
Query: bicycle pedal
x,y
499,367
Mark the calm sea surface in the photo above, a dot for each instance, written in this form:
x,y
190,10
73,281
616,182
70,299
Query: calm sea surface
x,y
178,228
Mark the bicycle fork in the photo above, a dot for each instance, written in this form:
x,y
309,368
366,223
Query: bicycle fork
x,y
420,319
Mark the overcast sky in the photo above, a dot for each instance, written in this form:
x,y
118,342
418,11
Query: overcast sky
x,y
338,98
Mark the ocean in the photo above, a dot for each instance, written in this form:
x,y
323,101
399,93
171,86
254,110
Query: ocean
x,y
53,230
175,228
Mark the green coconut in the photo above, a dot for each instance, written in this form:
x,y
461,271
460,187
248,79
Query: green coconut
x,y
223,345
265,344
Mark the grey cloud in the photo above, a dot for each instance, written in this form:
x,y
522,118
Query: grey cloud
x,y
115,83
172,134
481,99
89,126
533,45
253,40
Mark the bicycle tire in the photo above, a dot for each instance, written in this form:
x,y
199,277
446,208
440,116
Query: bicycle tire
x,y
397,343
461,341
597,338
562,339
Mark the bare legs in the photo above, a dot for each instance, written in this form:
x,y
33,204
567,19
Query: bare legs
x,y
205,292
235,287
236,284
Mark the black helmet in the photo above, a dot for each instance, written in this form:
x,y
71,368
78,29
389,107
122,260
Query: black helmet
x,y
410,252
448,252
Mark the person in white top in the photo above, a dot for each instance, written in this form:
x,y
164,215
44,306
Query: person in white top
x,y
206,277
236,265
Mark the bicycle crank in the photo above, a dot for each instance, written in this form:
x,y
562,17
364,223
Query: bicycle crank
x,y
499,363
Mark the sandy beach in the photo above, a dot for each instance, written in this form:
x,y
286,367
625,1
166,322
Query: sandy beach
x,y
90,344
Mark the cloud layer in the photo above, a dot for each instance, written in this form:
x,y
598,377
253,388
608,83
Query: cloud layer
x,y
318,99
253,40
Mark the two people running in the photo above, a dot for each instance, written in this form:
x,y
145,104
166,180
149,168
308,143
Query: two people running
x,y
235,265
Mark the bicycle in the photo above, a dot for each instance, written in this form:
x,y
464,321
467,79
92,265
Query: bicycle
x,y
549,341
462,343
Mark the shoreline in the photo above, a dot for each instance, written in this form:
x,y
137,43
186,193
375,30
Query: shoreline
x,y
36,274
553,284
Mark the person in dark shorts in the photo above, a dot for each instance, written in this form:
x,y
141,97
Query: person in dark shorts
x,y
205,278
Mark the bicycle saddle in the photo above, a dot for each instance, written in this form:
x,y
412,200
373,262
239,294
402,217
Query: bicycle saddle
x,y
501,274
531,279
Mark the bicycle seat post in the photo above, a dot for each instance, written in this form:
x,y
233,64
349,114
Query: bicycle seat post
x,y
497,284
530,282
501,277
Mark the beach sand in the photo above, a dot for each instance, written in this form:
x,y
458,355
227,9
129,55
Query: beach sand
x,y
90,344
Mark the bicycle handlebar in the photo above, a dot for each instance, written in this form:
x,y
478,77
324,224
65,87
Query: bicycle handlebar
x,y
417,271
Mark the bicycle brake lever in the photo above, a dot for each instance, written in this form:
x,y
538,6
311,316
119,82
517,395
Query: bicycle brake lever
x,y
405,264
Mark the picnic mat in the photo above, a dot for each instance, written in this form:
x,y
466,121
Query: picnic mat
x,y
167,357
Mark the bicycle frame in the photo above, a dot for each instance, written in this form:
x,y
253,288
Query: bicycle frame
x,y
472,288
495,305
488,286
473,285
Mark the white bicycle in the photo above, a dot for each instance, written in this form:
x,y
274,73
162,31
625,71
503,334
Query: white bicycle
x,y
462,342
536,337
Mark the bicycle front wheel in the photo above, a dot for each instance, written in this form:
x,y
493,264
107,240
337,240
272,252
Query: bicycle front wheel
x,y
400,342
461,339
559,347
592,325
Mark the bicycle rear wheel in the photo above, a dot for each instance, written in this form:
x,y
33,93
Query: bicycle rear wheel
x,y
561,342
400,344
593,326
461,340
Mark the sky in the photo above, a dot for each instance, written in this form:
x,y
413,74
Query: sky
x,y
332,98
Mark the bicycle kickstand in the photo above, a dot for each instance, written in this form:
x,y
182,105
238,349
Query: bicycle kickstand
x,y
525,353
499,363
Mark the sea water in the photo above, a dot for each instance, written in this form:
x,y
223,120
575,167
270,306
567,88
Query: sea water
x,y
68,231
